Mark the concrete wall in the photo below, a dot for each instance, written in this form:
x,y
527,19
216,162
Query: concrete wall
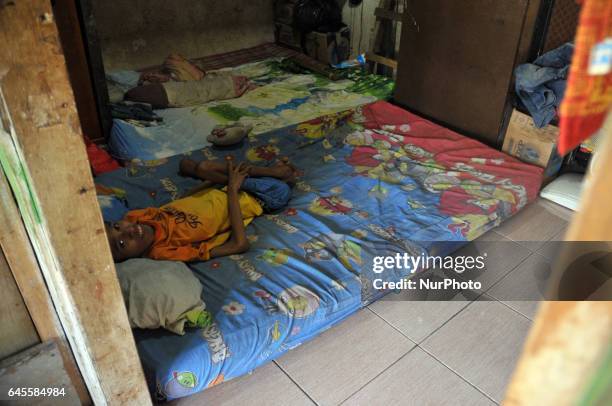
x,y
140,33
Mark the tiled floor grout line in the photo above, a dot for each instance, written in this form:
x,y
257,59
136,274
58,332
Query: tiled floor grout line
x,y
545,258
458,374
504,276
296,383
380,373
391,325
449,319
438,328
527,247
530,249
513,309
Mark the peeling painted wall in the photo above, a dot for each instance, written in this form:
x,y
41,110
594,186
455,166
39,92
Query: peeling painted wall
x,y
140,33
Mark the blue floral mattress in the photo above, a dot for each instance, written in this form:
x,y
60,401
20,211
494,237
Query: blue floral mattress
x,y
378,180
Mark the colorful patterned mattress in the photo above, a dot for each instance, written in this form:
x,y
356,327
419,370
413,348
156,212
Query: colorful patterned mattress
x,y
283,98
378,181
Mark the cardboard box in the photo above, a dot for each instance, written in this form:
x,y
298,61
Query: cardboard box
x,y
329,47
537,146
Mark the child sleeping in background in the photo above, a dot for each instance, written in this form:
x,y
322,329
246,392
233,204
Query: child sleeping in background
x,y
209,223
216,86
181,83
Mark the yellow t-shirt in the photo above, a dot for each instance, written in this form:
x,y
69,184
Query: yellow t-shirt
x,y
187,229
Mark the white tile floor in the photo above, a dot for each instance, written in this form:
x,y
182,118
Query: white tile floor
x,y
419,353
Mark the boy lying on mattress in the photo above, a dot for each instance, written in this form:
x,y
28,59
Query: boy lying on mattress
x,y
210,222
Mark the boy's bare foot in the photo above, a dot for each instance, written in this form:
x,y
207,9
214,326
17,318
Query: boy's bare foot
x,y
187,167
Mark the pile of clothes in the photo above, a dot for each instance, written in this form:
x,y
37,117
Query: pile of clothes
x,y
541,85
139,112
100,160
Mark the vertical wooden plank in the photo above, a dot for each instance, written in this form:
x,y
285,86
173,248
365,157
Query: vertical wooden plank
x,y
564,350
22,261
570,340
69,27
529,28
49,172
456,62
17,331
592,220
96,64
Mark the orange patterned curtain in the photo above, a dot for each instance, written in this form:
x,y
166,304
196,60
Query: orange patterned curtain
x,y
588,96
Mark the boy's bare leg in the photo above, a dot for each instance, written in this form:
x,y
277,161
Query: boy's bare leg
x,y
216,172
206,170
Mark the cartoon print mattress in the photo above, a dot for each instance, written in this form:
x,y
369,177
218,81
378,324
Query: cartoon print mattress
x,y
282,98
378,180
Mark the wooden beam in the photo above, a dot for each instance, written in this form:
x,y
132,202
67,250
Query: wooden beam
x,y
381,59
571,341
95,63
592,220
388,15
45,162
67,18
562,355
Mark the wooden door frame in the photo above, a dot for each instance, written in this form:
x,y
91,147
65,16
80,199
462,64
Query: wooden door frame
x,y
44,159
96,122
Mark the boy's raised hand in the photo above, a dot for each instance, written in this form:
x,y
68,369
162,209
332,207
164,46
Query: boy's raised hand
x,y
236,174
